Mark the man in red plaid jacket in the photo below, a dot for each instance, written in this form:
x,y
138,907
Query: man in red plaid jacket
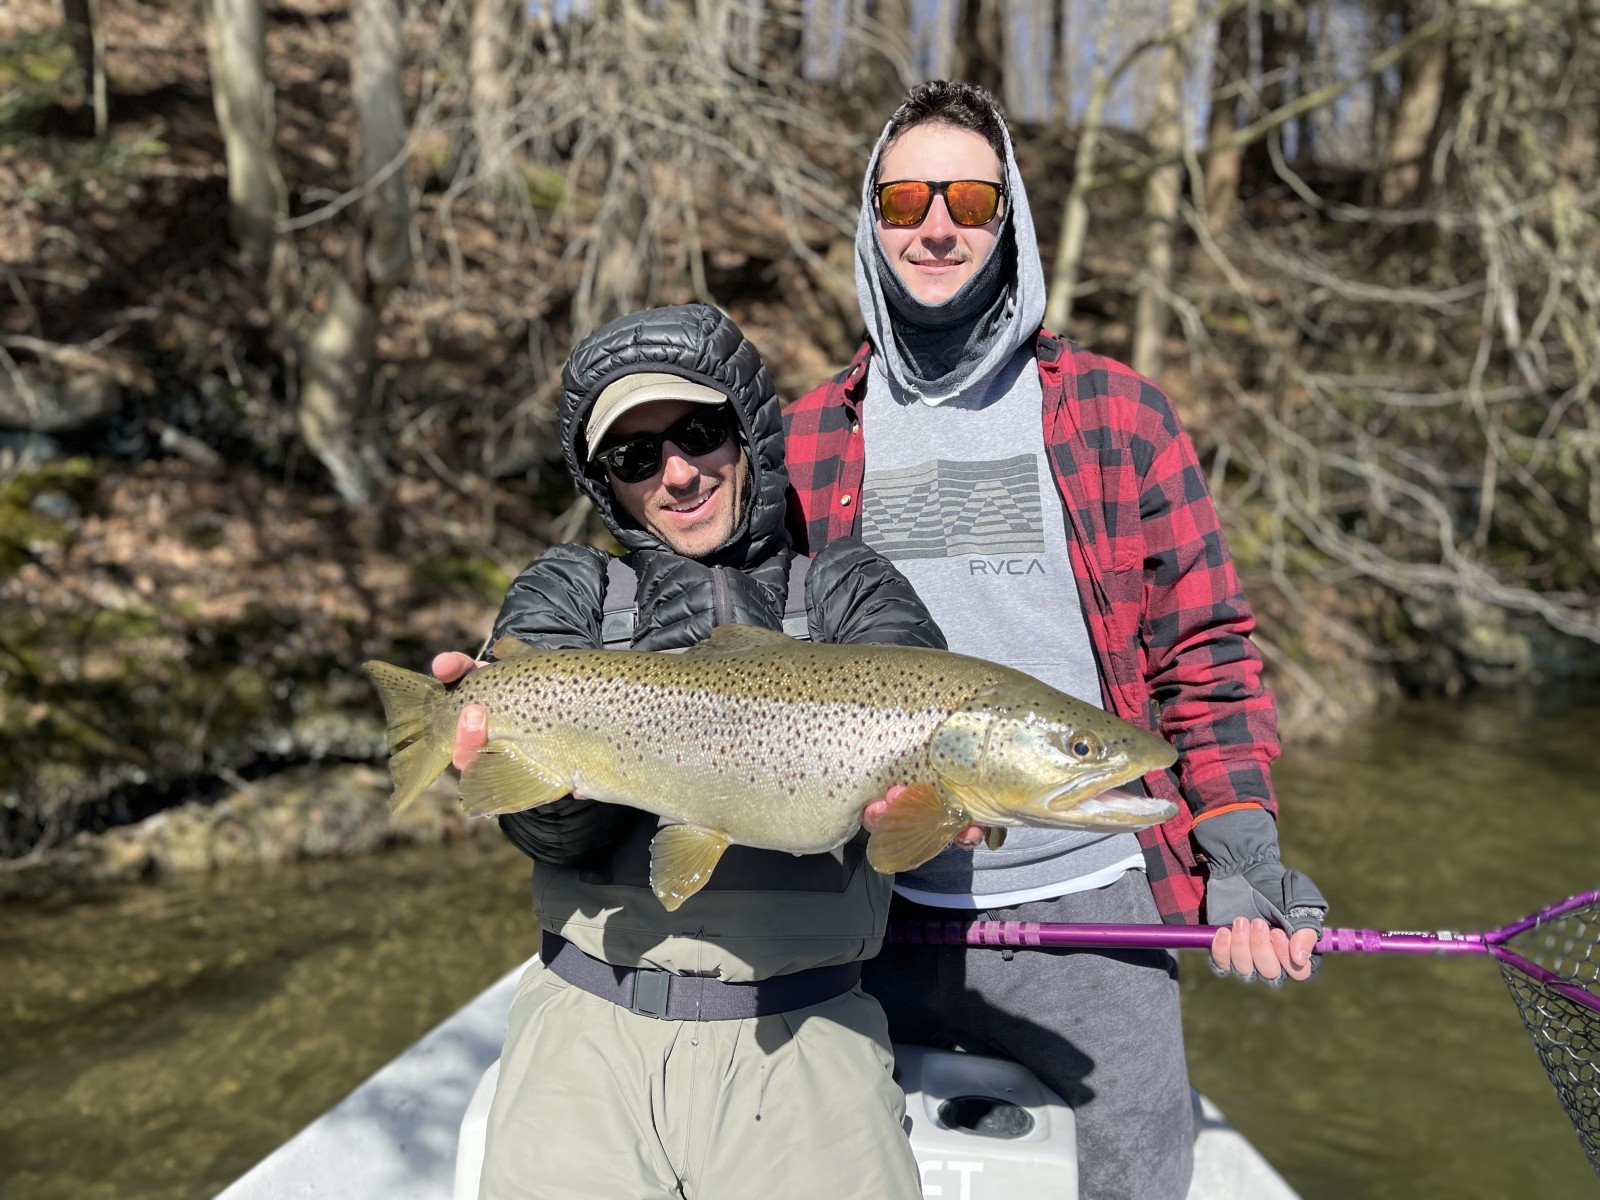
x,y
1051,513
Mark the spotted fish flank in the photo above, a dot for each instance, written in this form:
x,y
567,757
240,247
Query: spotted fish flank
x,y
755,739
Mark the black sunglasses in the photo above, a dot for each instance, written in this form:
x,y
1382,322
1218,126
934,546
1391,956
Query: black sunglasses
x,y
695,433
970,202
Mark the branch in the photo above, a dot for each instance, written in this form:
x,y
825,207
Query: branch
x,y
1326,94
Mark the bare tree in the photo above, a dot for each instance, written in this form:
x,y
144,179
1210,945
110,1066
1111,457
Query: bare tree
x,y
1282,29
1231,89
980,52
1581,149
82,19
337,357
650,115
492,50
1181,30
1436,432
241,92
1162,192
1075,212
1417,114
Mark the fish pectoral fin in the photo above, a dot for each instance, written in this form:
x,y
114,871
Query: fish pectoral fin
x,y
503,778
682,858
994,836
917,825
736,639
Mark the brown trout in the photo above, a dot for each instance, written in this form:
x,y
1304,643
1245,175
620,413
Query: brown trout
x,y
751,737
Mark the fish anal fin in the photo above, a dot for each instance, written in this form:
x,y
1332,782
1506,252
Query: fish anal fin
x,y
508,647
503,778
682,858
917,825
736,639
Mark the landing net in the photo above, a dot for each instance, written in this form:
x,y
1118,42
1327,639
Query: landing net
x,y
1559,1002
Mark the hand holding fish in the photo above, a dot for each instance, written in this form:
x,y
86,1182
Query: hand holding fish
x,y
472,726
873,813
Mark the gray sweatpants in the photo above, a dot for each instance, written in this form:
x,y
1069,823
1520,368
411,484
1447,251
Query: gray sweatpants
x,y
1100,1028
599,1103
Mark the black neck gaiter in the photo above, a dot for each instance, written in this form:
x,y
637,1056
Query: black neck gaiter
x,y
947,341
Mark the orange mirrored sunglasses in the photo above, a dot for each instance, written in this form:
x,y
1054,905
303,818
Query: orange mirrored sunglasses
x,y
906,202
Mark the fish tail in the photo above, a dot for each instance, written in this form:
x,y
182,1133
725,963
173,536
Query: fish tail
x,y
420,745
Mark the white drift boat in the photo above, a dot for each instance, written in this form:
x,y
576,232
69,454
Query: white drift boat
x,y
982,1128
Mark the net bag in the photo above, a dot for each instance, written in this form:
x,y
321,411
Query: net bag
x,y
1560,1006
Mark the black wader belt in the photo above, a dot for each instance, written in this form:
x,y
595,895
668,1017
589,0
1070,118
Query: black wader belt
x,y
662,994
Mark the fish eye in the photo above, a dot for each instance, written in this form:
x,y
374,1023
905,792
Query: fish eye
x,y
1082,746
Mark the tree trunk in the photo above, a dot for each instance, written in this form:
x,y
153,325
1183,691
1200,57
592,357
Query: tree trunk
x,y
336,374
1229,74
493,38
888,70
1283,44
941,26
242,95
1162,193
824,31
1061,70
1075,211
980,48
82,19
380,107
1580,148
1416,117
611,282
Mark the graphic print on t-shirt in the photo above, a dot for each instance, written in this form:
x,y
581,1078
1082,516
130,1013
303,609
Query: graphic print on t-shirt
x,y
944,509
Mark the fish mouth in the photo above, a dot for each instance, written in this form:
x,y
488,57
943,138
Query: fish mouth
x,y
1116,808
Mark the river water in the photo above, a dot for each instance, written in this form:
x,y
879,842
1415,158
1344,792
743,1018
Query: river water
x,y
157,1040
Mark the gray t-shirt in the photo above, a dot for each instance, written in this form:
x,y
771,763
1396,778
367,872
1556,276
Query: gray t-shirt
x,y
960,497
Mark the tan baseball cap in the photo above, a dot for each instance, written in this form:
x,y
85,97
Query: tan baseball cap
x,y
642,387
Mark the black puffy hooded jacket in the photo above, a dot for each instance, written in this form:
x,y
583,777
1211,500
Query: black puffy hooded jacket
x,y
853,594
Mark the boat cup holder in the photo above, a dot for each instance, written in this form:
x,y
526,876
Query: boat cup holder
x,y
985,1116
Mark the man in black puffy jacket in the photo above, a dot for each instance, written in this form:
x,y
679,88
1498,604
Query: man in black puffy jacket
x,y
726,1043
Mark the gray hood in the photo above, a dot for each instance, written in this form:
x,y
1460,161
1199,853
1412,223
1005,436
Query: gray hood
x,y
990,342
702,344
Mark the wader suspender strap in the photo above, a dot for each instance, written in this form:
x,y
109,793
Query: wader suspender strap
x,y
622,581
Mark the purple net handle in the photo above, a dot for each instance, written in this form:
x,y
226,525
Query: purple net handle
x,y
1164,937
1198,937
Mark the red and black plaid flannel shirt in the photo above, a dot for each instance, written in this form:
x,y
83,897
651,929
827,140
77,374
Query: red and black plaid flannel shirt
x,y
1165,609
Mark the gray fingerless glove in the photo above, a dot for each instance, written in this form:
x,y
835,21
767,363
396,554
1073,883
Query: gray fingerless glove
x,y
1246,878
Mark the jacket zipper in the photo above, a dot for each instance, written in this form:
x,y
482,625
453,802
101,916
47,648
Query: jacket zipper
x,y
721,607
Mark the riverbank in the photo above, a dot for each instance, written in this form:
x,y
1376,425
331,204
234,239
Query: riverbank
x,y
181,686
182,692
188,602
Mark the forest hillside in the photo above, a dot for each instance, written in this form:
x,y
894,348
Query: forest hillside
x,y
288,285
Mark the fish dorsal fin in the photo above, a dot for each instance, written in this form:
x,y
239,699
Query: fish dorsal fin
x,y
736,639
508,647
